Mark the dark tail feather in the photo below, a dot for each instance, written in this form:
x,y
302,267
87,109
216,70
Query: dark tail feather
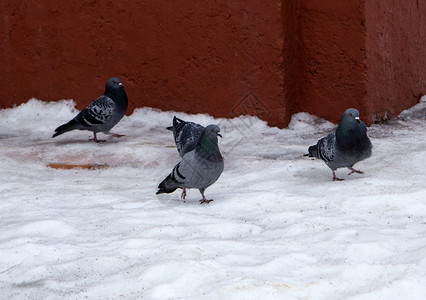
x,y
313,151
71,125
167,186
176,121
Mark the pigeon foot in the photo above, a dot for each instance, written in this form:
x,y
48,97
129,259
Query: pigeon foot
x,y
335,178
205,201
116,135
355,171
183,194
95,139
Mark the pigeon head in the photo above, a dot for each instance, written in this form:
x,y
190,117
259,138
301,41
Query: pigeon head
x,y
113,83
114,89
350,125
207,145
350,114
208,139
212,131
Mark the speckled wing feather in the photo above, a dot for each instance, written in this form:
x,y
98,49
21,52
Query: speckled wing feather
x,y
186,134
97,113
325,147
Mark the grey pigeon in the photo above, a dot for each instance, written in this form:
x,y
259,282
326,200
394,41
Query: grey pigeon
x,y
186,135
345,147
102,114
199,168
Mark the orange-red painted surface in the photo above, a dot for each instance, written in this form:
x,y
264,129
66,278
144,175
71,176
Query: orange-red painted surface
x,y
396,56
226,58
76,166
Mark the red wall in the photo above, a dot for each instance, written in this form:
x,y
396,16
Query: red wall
x,y
396,52
266,58
331,58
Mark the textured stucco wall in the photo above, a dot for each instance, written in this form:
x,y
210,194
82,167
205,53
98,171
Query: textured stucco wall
x,y
363,54
396,51
332,57
266,58
195,56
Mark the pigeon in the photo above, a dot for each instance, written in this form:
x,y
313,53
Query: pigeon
x,y
102,114
186,135
345,147
199,168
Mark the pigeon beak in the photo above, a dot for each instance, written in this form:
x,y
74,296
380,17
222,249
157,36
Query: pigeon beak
x,y
120,84
219,135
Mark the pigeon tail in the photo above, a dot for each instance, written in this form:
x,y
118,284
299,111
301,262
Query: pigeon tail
x,y
177,124
176,120
71,125
172,128
167,186
313,151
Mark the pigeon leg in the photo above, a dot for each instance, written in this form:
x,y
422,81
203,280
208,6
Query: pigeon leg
x,y
183,194
335,178
95,139
204,200
355,171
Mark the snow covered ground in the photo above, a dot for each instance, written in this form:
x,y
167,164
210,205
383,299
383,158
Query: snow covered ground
x,y
278,228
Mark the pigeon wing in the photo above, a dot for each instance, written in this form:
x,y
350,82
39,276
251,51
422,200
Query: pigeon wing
x,y
98,112
325,147
186,135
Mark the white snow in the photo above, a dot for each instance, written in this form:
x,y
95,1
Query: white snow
x,y
278,228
